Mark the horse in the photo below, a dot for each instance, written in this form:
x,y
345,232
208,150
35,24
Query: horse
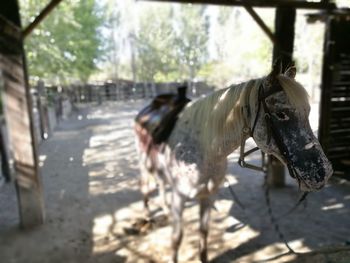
x,y
273,110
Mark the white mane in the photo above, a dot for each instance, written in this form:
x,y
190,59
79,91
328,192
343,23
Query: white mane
x,y
216,121
217,118
296,93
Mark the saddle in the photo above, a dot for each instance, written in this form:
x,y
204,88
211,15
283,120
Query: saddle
x,y
160,116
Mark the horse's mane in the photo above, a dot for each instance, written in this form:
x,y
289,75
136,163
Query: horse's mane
x,y
210,120
296,93
220,117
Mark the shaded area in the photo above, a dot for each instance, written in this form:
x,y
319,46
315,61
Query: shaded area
x,y
90,174
318,224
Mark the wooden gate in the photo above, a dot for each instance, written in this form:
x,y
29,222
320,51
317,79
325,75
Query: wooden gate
x,y
334,131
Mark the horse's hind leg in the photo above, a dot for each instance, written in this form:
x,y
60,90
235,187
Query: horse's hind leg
x,y
161,180
146,181
145,190
177,208
205,205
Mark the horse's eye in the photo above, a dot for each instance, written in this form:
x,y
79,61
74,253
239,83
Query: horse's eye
x,y
281,115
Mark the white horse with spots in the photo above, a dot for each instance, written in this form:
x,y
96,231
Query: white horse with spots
x,y
273,110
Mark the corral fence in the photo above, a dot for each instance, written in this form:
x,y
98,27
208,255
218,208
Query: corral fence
x,y
52,104
127,90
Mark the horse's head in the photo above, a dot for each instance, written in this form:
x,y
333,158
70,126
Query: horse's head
x,y
280,127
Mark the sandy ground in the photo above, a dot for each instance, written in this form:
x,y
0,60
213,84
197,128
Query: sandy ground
x,y
90,176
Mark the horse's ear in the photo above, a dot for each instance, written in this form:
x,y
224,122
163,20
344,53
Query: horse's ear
x,y
291,72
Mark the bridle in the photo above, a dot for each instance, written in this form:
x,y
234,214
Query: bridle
x,y
272,132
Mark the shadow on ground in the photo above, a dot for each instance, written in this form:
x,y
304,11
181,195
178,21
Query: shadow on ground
x,y
90,175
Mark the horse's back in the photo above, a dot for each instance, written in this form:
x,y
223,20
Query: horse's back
x,y
159,117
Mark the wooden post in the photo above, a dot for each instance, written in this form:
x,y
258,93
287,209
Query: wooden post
x,y
5,164
284,34
18,114
283,49
42,110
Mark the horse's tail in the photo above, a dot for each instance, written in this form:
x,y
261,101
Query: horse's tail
x,y
147,159
144,144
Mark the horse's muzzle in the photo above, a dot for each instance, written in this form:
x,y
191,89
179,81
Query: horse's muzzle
x,y
312,168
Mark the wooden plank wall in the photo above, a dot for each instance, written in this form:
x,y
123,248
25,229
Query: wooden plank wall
x,y
334,132
18,115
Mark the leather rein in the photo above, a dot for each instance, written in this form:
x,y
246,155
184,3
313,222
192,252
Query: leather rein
x,y
272,132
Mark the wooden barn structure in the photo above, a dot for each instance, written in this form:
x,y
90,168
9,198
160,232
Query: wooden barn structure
x,y
335,107
334,129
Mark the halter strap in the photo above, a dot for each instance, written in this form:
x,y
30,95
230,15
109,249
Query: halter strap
x,y
258,111
248,132
272,132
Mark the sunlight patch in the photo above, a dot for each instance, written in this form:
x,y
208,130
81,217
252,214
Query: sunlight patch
x,y
230,181
332,207
102,224
274,250
42,159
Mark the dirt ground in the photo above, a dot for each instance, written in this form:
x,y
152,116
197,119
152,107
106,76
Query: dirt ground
x,y
90,176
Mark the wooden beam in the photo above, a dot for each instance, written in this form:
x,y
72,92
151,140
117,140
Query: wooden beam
x,y
47,10
261,23
283,50
8,9
284,32
258,3
18,114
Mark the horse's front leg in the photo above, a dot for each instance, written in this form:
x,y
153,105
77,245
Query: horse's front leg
x,y
205,205
162,195
177,208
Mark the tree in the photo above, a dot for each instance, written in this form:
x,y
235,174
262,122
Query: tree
x,y
153,44
169,43
67,45
192,35
240,52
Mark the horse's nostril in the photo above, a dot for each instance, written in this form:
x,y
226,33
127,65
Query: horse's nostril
x,y
321,186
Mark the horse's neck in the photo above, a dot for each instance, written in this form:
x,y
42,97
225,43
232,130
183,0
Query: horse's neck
x,y
228,138
217,121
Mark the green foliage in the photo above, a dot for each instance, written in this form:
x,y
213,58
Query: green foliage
x,y
153,45
66,45
145,41
238,44
171,43
191,44
217,73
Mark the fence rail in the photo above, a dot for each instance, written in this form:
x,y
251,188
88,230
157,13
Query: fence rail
x,y
52,104
126,90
